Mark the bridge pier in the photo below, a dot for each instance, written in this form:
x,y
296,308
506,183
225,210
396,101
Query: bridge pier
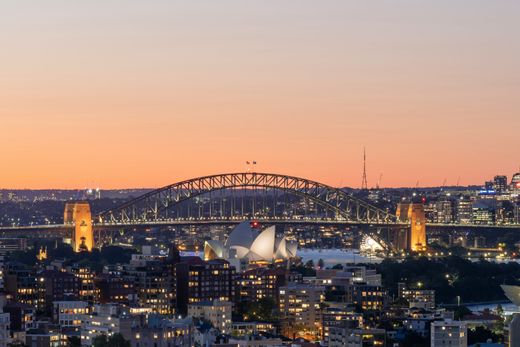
x,y
414,214
78,214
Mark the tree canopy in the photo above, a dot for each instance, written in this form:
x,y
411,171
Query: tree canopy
x,y
115,340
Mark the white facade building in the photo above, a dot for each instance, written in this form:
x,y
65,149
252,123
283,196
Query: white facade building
x,y
217,312
103,321
4,329
514,331
448,333
70,313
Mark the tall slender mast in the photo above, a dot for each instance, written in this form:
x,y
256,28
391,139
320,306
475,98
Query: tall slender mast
x,y
364,184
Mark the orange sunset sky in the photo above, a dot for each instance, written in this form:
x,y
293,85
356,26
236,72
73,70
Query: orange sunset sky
x,y
116,94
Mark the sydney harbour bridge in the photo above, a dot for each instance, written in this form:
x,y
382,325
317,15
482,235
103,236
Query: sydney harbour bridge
x,y
235,197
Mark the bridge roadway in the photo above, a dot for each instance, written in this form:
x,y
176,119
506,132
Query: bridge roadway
x,y
298,221
186,222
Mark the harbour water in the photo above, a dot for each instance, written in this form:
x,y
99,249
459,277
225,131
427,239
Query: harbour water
x,y
332,257
508,307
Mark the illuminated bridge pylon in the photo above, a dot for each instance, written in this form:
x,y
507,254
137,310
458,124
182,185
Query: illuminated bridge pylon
x,y
157,205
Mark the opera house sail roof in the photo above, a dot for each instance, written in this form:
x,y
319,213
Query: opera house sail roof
x,y
247,242
512,293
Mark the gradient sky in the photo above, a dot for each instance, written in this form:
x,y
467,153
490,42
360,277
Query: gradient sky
x,y
145,93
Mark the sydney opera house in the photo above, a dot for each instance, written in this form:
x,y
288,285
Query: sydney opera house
x,y
247,244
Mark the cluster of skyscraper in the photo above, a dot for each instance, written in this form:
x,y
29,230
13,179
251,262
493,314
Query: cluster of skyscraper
x,y
498,202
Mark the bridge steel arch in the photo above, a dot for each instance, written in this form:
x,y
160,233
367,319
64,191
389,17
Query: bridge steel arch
x,y
150,206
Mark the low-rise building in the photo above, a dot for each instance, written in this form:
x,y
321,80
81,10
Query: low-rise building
x,y
104,320
248,328
157,331
12,244
70,313
4,329
419,298
448,333
217,312
254,340
368,297
44,337
345,337
339,317
21,316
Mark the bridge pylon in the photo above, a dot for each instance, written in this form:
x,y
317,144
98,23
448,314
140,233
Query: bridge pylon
x,y
78,214
414,214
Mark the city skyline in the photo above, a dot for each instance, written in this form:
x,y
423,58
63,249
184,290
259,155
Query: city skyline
x,y
101,95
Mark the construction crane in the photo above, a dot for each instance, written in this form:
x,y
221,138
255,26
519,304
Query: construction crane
x,y
379,181
444,184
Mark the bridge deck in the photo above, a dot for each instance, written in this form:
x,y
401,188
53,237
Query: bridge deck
x,y
58,227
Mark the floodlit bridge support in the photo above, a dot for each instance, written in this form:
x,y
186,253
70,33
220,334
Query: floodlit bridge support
x,y
78,214
414,214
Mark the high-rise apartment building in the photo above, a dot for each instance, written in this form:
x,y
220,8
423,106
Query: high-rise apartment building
x,y
500,183
444,212
464,210
198,280
300,309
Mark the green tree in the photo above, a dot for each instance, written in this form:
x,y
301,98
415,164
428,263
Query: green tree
x,y
321,264
261,310
500,310
460,312
116,340
74,341
413,339
481,334
100,341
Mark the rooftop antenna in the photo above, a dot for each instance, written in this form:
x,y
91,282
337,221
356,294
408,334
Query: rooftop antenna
x,y
364,184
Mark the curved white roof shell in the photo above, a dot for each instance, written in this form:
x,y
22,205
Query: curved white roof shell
x,y
292,248
281,249
245,242
243,235
240,251
512,293
264,244
216,247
